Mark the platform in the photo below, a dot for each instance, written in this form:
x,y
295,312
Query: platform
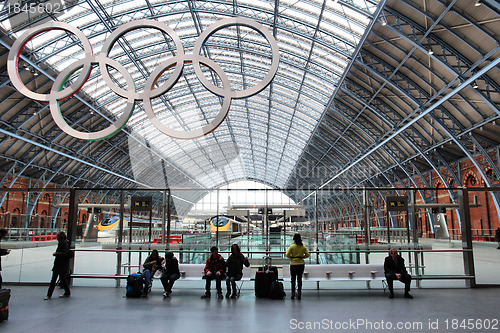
x,y
102,309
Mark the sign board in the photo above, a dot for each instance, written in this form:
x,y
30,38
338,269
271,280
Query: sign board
x,y
295,212
142,204
397,204
237,212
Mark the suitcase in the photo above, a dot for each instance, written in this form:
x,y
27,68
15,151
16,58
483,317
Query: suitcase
x,y
264,278
263,282
4,304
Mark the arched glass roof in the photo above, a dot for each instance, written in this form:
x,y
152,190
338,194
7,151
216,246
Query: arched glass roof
x,y
263,136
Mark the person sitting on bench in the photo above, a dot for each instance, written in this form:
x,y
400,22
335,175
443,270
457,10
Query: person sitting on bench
x,y
394,268
151,265
235,264
170,273
215,269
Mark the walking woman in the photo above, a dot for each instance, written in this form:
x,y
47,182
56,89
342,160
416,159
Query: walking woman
x,y
61,266
297,252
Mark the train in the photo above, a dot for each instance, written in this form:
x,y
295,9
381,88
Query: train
x,y
108,226
226,225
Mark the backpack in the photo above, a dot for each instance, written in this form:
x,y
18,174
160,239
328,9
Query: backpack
x,y
135,285
277,291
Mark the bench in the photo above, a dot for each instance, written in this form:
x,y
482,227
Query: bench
x,y
194,272
340,272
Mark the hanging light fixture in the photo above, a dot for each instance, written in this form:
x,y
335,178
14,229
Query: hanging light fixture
x,y
474,85
478,3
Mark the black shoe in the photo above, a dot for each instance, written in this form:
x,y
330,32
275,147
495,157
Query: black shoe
x,y
64,296
205,296
391,296
407,295
220,296
234,295
228,294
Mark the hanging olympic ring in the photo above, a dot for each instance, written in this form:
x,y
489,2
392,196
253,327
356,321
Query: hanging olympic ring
x,y
60,92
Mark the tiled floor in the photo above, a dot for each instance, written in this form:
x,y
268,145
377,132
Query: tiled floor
x,y
104,309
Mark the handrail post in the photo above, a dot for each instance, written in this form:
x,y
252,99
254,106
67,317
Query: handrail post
x,y
71,231
119,241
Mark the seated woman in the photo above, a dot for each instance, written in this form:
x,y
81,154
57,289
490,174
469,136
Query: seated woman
x,y
170,273
234,265
151,265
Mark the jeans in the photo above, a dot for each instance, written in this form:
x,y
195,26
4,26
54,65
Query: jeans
x,y
231,281
168,281
147,276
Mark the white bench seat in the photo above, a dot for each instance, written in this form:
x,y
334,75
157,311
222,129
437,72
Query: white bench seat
x,y
340,272
194,272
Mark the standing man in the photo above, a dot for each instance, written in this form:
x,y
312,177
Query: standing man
x,y
394,269
3,252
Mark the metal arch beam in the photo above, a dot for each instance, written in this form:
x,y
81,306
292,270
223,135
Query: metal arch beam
x,y
458,75
487,157
425,157
451,30
424,113
429,162
34,143
470,80
355,54
409,141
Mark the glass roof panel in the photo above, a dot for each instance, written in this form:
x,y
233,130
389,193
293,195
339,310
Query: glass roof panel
x,y
270,129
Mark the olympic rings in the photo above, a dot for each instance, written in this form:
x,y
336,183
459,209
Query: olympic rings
x,y
108,131
208,128
133,25
58,92
244,22
15,53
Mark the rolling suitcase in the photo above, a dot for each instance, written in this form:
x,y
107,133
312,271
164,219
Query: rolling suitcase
x,y
4,304
264,278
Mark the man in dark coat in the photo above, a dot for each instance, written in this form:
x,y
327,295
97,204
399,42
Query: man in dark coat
x,y
61,266
394,268
3,252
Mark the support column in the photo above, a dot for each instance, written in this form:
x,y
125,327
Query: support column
x,y
468,256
